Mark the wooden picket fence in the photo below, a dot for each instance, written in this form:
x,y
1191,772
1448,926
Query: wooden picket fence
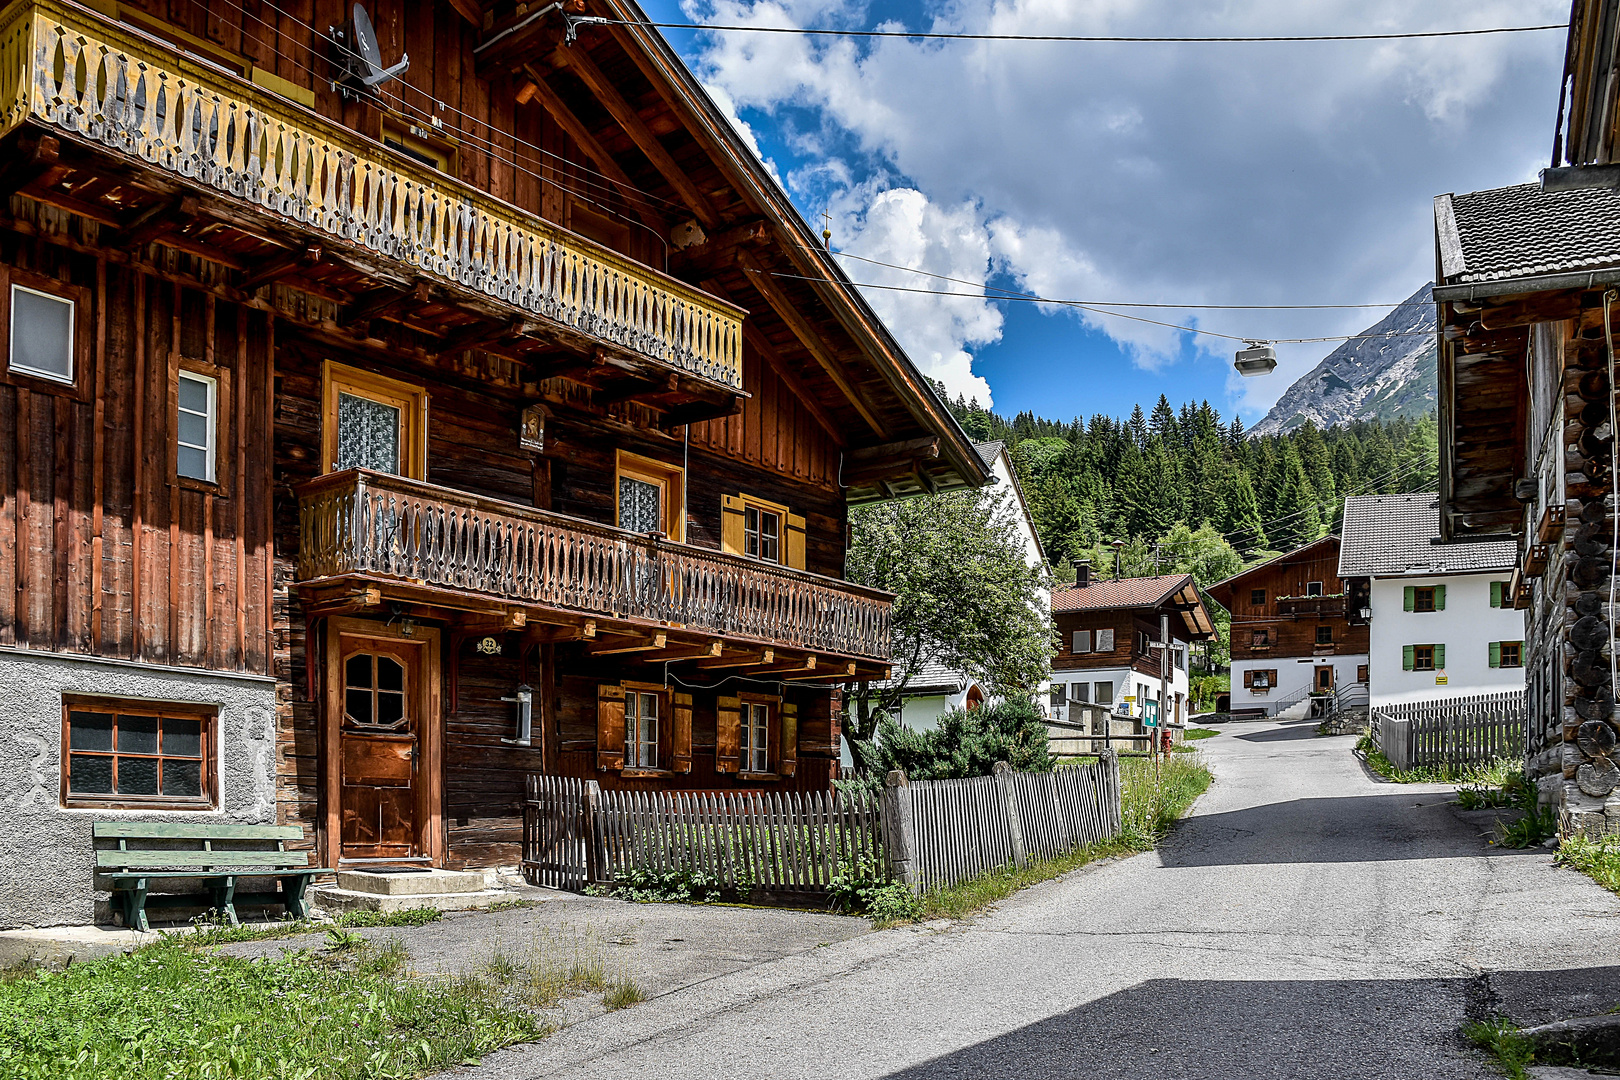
x,y
1451,732
925,834
963,828
556,832
794,842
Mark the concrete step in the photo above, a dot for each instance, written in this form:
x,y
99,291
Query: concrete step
x,y
413,882
336,901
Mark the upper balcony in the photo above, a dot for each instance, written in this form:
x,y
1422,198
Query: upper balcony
x,y
1323,607
366,538
142,123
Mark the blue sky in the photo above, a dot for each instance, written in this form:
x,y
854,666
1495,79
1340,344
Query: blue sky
x,y
1181,174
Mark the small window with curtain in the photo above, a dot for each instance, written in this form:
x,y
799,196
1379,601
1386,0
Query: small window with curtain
x,y
649,495
373,422
196,412
1260,638
1080,692
42,335
137,754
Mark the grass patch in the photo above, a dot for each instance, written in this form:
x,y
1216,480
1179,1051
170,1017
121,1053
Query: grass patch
x,y
552,965
622,994
515,903
420,916
1597,859
172,1009
1151,801
1502,1040
1195,733
1492,773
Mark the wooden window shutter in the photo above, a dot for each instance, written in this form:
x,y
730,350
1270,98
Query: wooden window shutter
x,y
1105,640
1408,655
1496,653
1496,594
731,524
1411,598
788,754
793,541
681,733
1439,598
1248,679
609,727
1439,657
727,732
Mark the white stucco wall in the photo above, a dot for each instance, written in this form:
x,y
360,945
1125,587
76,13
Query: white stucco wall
x,y
46,858
1466,627
1127,682
1294,674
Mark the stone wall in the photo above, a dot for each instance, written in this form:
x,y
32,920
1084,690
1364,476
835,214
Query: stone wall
x,y
46,860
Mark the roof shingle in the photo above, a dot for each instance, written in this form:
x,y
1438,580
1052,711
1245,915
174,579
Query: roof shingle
x,y
1118,593
1393,536
1520,231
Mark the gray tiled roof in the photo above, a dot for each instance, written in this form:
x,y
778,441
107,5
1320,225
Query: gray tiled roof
x,y
989,451
1521,231
933,678
1393,536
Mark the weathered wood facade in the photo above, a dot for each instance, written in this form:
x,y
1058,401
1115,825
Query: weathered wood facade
x,y
526,393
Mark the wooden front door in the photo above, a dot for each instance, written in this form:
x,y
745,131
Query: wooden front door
x,y
382,730
1324,678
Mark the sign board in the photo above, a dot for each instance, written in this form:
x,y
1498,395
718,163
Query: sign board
x,y
1439,680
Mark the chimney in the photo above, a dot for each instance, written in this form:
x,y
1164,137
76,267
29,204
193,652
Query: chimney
x,y
1082,574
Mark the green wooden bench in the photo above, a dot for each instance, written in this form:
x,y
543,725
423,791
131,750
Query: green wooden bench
x,y
217,855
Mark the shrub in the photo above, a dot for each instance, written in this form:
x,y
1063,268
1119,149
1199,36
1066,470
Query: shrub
x,y
665,886
863,888
967,743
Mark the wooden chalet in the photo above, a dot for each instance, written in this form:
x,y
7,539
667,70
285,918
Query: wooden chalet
x,y
1107,630
370,441
1526,290
1296,629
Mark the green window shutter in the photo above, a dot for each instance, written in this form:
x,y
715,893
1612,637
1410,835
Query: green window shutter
x,y
1439,598
1496,596
1411,601
1439,658
1408,652
1496,654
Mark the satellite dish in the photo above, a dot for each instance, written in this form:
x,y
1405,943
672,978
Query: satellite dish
x,y
360,58
1258,359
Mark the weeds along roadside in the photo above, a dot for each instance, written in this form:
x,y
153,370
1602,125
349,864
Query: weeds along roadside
x,y
352,1009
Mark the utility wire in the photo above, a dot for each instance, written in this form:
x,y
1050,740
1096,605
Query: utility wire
x,y
1031,298
842,254
1099,38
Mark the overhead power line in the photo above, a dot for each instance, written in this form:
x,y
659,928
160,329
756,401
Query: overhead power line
x,y
922,35
1094,308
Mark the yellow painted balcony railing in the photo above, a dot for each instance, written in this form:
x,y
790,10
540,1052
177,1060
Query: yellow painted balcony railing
x,y
106,83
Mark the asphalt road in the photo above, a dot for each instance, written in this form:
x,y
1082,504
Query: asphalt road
x,y
1306,921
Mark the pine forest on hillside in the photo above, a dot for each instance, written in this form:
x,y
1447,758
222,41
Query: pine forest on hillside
x,y
1185,479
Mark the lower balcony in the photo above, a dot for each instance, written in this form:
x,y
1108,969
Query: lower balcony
x,y
366,539
1323,607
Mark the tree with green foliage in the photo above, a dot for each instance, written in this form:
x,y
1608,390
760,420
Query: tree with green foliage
x,y
965,597
966,743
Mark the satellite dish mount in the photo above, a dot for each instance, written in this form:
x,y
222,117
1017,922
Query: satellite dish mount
x,y
358,60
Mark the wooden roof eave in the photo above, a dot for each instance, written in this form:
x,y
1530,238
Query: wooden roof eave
x,y
713,131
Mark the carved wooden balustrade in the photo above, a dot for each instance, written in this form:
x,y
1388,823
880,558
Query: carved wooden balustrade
x,y
374,525
111,85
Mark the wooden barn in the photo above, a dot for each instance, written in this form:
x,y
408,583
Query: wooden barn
x,y
390,416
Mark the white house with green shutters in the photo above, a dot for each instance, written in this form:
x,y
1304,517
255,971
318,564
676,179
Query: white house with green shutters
x,y
1441,617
